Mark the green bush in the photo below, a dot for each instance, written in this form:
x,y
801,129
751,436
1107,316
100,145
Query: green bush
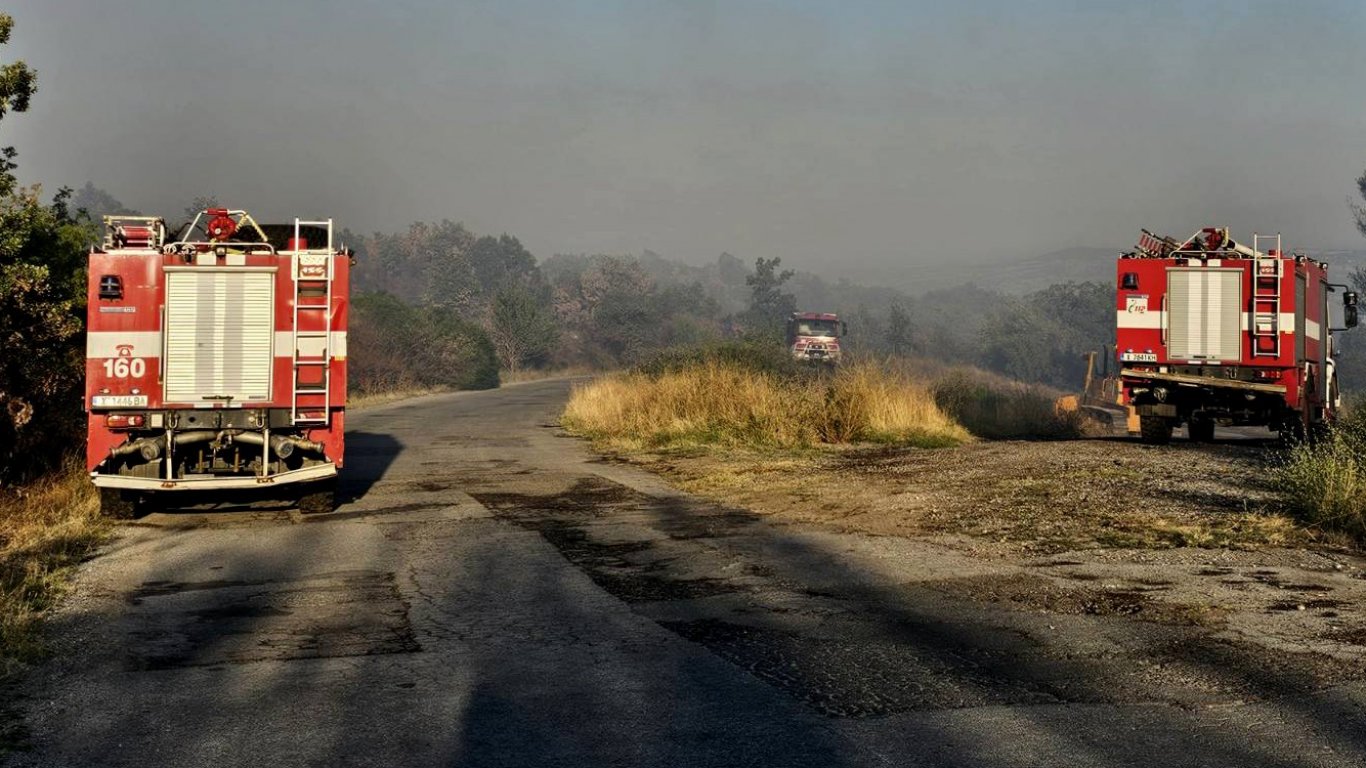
x,y
396,346
42,308
1324,481
999,409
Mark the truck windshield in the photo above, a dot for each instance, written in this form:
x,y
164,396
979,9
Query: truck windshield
x,y
816,328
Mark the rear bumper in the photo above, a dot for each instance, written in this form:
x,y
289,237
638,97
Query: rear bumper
x,y
319,472
1202,381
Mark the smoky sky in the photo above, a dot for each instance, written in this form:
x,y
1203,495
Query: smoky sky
x,y
868,137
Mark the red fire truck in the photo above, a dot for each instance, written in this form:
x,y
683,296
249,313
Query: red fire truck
x,y
215,360
815,337
1212,331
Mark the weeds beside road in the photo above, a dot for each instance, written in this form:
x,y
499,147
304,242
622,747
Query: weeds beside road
x,y
1324,482
46,529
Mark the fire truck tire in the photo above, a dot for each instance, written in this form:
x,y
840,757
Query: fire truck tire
x,y
320,498
117,505
1201,430
1155,430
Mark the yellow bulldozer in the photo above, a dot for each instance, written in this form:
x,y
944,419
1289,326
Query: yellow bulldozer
x,y
1100,396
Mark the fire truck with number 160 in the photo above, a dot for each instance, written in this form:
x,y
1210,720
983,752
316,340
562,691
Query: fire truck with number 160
x,y
216,359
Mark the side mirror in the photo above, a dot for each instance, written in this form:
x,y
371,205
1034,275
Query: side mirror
x,y
1349,309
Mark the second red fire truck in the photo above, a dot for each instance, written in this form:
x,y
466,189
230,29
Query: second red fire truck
x,y
814,337
1212,331
216,359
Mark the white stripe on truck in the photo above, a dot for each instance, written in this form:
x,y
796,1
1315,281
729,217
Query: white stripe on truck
x,y
102,344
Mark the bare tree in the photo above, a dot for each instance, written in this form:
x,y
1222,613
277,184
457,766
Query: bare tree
x,y
1358,210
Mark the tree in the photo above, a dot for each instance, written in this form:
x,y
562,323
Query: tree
x,y
18,83
900,333
495,261
769,306
731,270
198,205
1359,211
97,203
521,326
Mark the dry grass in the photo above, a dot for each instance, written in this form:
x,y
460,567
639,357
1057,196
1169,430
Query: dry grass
x,y
540,374
718,403
391,395
46,529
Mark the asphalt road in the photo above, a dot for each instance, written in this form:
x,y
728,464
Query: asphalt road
x,y
491,594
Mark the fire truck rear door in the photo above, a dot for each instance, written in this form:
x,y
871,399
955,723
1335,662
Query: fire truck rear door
x,y
220,328
1204,307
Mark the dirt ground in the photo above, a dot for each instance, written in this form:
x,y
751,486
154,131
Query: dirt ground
x,y
1182,534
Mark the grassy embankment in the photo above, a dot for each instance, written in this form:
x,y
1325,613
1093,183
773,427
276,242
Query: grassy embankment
x,y
46,529
718,403
738,398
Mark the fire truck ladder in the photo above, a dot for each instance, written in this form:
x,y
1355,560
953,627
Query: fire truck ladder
x,y
312,356
1266,296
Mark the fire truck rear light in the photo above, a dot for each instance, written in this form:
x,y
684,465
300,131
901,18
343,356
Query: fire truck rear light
x,y
124,421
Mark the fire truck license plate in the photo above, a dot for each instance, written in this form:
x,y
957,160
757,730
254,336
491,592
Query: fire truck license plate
x,y
118,401
1138,357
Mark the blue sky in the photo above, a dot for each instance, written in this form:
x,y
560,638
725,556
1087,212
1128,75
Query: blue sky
x,y
871,135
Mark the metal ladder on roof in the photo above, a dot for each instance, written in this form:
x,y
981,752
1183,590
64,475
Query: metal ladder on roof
x,y
1266,296
311,366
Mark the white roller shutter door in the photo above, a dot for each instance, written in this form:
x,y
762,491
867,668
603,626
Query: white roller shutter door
x,y
1204,314
220,325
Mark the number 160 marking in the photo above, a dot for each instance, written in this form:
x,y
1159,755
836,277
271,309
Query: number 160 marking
x,y
123,367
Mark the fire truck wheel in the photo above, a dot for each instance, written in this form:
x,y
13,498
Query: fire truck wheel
x,y
320,498
1201,430
1155,430
116,504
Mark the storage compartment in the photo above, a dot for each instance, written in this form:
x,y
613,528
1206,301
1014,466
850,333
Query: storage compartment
x,y
220,328
1204,314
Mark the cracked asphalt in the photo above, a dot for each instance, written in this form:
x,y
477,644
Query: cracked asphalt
x,y
492,594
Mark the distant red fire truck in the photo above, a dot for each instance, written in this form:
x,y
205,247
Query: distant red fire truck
x,y
215,360
815,337
1212,331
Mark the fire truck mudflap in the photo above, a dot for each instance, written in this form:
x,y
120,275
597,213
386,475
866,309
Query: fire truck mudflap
x,y
215,361
1213,332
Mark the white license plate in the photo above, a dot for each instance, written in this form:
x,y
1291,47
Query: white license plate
x,y
118,401
1138,357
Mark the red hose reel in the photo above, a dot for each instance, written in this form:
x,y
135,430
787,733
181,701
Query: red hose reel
x,y
220,226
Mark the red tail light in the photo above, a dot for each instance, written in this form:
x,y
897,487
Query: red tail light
x,y
124,421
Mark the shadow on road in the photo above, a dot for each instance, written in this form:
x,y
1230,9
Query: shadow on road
x,y
590,624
